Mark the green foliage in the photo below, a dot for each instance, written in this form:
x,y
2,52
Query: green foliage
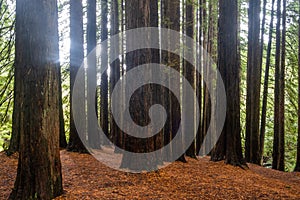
x,y
6,71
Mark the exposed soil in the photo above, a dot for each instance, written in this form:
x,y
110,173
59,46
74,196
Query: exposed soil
x,y
86,178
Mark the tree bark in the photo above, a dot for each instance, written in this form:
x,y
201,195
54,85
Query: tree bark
x,y
266,85
76,58
229,145
253,84
93,135
115,71
104,78
138,14
278,149
39,168
189,73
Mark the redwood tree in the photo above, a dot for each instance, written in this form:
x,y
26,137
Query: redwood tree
x,y
104,77
266,85
76,58
229,145
138,14
93,136
278,144
253,84
39,168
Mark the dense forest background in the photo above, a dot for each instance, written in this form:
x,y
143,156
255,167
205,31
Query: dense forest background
x,y
7,53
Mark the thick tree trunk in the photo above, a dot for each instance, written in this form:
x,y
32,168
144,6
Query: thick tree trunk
x,y
39,168
266,85
253,84
76,58
229,144
138,14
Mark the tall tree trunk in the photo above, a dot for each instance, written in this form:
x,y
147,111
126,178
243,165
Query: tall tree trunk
x,y
157,90
115,70
93,135
200,136
253,84
39,168
229,144
266,85
189,73
76,58
166,97
104,78
278,149
297,168
138,14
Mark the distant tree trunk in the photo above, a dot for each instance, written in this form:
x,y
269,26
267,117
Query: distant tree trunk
x,y
115,70
62,135
39,168
253,84
266,85
229,145
76,58
278,144
165,93
93,135
189,74
104,78
200,133
211,50
157,90
297,168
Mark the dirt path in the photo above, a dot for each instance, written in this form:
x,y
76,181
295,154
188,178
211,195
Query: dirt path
x,y
86,178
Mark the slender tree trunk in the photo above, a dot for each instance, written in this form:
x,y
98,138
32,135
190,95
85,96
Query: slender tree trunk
x,y
229,144
39,168
253,84
278,150
62,135
297,168
266,85
115,70
166,97
93,135
104,78
282,91
76,58
189,73
199,138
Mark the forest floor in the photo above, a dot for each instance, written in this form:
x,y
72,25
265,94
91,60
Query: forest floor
x,y
86,178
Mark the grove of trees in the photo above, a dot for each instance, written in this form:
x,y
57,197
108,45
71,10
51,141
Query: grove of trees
x,y
255,45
